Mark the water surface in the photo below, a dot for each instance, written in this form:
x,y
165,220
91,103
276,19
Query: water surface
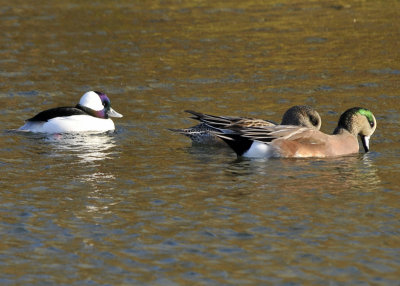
x,y
141,205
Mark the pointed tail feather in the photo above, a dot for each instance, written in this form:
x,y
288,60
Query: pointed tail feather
x,y
211,120
180,131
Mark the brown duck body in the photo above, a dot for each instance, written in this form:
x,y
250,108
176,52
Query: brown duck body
x,y
312,143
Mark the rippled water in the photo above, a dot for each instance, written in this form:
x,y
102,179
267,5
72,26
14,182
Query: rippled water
x,y
141,205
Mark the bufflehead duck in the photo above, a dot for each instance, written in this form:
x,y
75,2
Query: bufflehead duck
x,y
90,114
291,141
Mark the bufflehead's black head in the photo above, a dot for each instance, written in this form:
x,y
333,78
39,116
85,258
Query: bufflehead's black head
x,y
99,103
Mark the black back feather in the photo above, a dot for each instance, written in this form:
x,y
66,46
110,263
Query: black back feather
x,y
48,114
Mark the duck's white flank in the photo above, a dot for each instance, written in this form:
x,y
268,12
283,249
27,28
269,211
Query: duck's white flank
x,y
74,123
259,150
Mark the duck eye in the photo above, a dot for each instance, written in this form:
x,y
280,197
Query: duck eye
x,y
372,124
313,120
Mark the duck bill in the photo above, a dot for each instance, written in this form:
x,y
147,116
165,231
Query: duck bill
x,y
365,142
113,113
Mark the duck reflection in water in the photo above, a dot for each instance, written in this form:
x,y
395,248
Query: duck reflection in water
x,y
89,154
87,147
349,174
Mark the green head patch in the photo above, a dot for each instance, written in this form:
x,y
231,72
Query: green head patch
x,y
367,114
346,119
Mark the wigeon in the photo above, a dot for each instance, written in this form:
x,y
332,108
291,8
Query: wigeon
x,y
299,115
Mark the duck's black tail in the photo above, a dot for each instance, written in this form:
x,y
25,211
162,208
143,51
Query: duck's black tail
x,y
219,126
238,143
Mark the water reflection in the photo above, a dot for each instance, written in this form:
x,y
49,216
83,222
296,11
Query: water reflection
x,y
77,161
331,175
91,150
88,148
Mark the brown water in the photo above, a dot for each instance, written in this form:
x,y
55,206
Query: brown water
x,y
141,205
